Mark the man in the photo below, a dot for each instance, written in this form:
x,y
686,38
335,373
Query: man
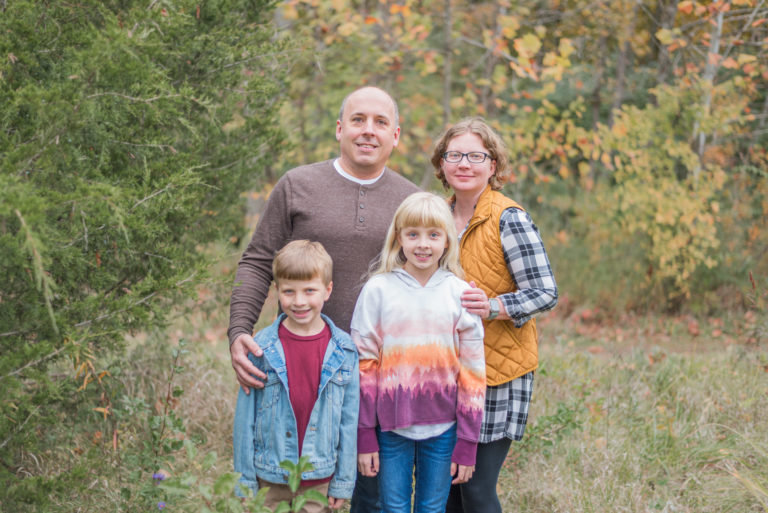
x,y
346,204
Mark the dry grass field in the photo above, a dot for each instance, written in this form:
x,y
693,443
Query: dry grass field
x,y
629,415
636,415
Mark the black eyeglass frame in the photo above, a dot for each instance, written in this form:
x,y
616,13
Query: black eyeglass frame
x,y
485,156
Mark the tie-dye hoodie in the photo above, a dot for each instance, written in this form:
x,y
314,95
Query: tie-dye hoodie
x,y
421,359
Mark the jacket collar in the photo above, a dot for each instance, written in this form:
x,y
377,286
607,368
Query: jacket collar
x,y
336,334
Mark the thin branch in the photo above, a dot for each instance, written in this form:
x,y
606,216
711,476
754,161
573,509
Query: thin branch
x,y
133,98
743,29
164,189
30,364
5,442
507,56
139,145
110,314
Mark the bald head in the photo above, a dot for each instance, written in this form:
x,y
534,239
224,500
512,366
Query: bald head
x,y
367,89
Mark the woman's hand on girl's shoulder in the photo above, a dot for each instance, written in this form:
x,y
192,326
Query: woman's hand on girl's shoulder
x,y
475,301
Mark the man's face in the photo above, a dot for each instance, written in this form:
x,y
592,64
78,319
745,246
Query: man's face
x,y
367,132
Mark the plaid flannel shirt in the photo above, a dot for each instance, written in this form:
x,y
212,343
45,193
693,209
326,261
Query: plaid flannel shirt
x,y
506,405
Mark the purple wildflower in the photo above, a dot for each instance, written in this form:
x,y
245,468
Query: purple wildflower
x,y
161,505
158,476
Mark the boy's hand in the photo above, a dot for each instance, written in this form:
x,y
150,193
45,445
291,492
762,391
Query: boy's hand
x,y
462,472
244,369
368,463
334,503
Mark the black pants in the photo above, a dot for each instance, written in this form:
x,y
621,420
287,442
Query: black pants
x,y
478,495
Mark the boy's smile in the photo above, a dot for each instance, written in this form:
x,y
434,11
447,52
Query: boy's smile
x,y
302,301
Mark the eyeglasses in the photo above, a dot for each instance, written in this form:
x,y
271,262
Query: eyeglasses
x,y
474,157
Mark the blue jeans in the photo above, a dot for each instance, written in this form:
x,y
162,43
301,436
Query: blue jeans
x,y
428,460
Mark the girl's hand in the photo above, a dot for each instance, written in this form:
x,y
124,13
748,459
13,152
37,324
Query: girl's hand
x,y
334,503
462,472
368,463
476,301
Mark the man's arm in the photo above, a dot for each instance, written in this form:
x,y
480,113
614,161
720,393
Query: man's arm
x,y
252,282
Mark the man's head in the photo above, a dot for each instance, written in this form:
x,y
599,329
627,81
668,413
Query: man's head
x,y
302,271
367,130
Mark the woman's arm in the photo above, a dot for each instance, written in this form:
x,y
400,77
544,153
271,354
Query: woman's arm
x,y
528,263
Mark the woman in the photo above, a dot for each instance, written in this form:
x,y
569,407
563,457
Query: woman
x,y
506,264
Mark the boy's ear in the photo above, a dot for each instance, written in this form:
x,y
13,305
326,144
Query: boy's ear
x,y
328,290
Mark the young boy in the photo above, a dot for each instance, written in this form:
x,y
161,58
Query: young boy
x,y
310,400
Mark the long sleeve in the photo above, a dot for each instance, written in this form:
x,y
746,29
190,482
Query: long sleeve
x,y
343,481
367,338
242,440
470,398
254,272
529,265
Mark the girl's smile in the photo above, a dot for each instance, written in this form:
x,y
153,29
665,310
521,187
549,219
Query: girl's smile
x,y
422,247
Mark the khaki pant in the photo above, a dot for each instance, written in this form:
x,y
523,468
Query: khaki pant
x,y
280,492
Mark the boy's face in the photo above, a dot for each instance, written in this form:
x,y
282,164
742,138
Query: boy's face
x,y
301,301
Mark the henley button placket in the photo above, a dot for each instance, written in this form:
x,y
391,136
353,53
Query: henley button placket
x,y
361,206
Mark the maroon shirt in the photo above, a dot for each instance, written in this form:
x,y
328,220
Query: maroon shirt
x,y
304,362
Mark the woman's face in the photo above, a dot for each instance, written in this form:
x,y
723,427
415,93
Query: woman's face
x,y
465,177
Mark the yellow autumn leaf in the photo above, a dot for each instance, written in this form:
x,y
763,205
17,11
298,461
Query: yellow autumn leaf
x,y
527,45
665,36
509,26
565,48
564,172
103,411
606,160
745,58
747,3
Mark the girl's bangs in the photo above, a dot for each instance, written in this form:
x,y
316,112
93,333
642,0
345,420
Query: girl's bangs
x,y
425,217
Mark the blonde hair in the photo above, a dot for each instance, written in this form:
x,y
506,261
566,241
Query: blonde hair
x,y
492,142
302,260
424,210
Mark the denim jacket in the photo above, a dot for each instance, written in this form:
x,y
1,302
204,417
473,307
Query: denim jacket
x,y
265,426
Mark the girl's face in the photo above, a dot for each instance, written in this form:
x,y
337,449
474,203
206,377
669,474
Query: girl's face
x,y
422,247
465,177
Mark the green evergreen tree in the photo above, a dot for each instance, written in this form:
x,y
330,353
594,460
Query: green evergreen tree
x,y
128,132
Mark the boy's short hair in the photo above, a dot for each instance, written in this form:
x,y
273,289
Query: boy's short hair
x,y
302,260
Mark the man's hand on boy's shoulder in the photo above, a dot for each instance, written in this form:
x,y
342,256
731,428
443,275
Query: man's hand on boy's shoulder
x,y
248,375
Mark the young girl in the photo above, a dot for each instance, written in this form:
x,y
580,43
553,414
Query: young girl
x,y
422,368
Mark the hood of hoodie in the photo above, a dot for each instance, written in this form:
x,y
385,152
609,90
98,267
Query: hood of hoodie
x,y
435,280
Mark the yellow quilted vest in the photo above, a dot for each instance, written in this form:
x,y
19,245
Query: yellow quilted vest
x,y
510,352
